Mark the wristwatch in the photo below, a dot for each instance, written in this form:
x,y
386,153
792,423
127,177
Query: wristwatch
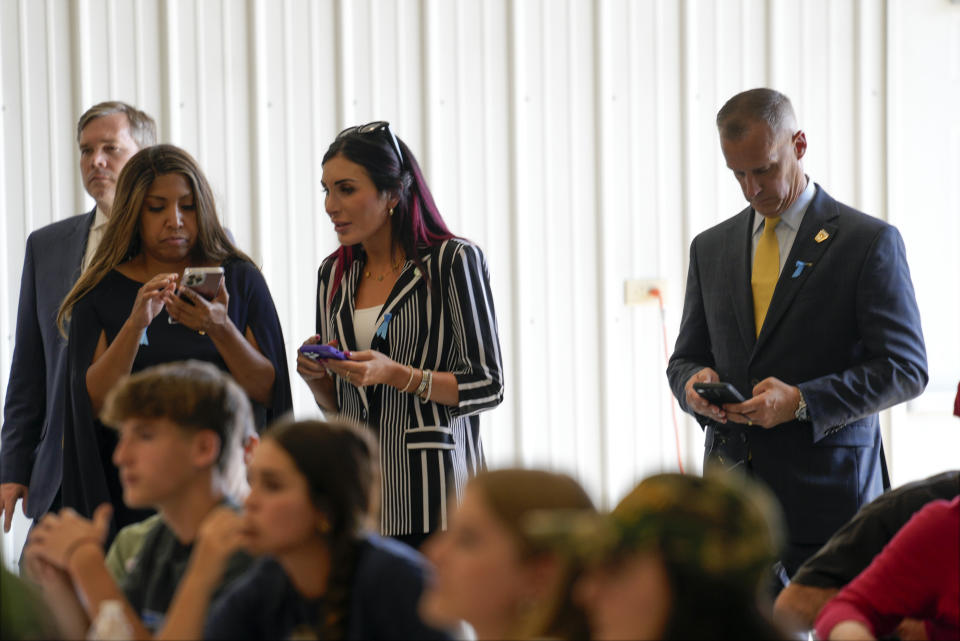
x,y
801,414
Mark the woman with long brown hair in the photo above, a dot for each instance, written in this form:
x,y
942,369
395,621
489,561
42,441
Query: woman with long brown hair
x,y
126,313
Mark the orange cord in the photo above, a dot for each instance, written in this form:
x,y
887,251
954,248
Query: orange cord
x,y
666,356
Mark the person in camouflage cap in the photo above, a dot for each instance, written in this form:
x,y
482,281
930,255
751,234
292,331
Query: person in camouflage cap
x,y
680,557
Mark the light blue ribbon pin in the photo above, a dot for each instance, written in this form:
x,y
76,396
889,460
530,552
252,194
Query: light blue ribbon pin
x,y
143,337
382,330
800,267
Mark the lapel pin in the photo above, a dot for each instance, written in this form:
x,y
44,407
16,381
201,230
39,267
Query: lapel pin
x,y
800,266
821,236
382,330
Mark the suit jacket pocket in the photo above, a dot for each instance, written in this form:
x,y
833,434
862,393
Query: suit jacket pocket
x,y
432,437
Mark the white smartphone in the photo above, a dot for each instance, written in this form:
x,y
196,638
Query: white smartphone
x,y
205,281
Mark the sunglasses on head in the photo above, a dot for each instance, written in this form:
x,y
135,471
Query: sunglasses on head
x,y
372,128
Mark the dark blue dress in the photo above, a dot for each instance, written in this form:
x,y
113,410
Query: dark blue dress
x,y
89,476
384,595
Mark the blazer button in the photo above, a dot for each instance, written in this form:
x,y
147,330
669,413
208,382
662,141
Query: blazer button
x,y
363,414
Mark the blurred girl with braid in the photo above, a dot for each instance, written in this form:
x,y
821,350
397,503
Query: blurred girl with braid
x,y
411,306
322,574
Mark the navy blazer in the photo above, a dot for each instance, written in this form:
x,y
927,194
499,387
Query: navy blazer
x,y
843,326
31,440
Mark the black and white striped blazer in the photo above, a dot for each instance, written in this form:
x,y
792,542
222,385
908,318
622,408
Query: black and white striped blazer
x,y
427,450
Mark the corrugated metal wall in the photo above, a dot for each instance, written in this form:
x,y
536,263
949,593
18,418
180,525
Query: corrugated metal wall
x,y
572,139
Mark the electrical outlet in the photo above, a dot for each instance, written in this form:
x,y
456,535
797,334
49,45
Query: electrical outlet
x,y
639,291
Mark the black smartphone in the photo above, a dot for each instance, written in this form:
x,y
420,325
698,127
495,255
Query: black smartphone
x,y
718,393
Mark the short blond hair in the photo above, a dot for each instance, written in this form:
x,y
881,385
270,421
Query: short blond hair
x,y
194,395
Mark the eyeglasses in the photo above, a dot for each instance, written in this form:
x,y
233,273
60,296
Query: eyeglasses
x,y
374,127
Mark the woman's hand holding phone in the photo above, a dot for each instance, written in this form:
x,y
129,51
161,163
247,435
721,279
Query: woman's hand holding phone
x,y
196,312
311,365
151,299
360,369
370,367
315,375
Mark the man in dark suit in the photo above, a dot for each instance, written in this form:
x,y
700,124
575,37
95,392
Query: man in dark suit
x,y
31,456
805,306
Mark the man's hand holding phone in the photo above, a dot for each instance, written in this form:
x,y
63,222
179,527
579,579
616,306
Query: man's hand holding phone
x,y
698,403
773,402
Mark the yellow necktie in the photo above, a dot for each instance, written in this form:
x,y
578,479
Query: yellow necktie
x,y
766,271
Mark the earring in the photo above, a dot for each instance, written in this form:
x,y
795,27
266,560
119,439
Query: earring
x,y
390,213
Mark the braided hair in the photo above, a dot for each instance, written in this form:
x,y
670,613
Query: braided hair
x,y
339,461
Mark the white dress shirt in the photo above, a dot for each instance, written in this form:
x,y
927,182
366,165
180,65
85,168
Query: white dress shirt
x,y
789,222
94,237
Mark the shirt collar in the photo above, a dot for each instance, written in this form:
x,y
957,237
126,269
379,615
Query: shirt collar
x,y
100,219
793,215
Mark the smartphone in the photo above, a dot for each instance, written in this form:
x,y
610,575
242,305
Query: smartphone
x,y
205,281
718,393
317,352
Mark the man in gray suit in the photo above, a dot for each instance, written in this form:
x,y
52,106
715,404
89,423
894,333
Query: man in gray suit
x,y
31,454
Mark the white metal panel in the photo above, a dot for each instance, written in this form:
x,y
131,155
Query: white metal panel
x,y
869,113
493,193
581,193
151,92
616,422
532,314
923,192
12,246
237,204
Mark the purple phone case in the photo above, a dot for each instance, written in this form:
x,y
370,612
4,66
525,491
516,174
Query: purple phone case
x,y
322,351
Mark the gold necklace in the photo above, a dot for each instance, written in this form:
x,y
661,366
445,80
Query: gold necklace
x,y
395,267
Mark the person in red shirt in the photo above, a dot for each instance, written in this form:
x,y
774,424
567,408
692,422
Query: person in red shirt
x,y
916,575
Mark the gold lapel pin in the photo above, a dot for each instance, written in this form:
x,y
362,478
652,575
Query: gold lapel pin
x,y
821,236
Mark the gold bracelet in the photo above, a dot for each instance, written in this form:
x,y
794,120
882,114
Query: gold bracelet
x,y
409,380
